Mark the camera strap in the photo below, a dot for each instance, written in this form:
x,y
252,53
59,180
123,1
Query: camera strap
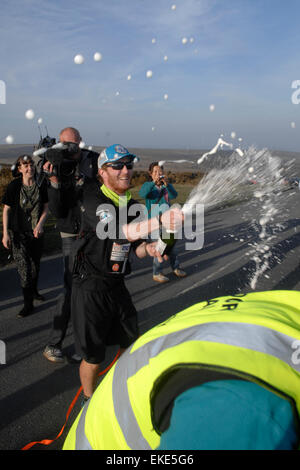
x,y
163,191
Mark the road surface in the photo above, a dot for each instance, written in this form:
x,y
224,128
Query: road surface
x,y
35,394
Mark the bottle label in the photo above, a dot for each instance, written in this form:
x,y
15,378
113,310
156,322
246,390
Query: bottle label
x,y
161,246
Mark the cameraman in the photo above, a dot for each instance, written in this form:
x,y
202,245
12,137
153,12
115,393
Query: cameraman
x,y
64,193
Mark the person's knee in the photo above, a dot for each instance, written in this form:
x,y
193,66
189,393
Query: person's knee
x,y
88,365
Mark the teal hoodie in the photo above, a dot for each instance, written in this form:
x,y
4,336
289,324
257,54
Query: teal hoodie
x,y
151,193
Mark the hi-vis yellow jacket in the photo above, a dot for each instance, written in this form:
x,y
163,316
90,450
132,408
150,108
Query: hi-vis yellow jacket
x,y
254,337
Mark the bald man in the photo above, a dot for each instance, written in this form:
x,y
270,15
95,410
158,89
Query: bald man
x,y
64,203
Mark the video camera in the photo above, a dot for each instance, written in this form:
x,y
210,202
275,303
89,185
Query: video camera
x,y
60,156
46,142
65,167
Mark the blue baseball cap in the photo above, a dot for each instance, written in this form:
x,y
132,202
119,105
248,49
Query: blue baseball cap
x,y
113,154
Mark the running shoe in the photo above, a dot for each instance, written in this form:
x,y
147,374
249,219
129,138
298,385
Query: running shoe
x,y
53,354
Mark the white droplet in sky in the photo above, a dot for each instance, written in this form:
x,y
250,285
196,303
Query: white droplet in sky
x,y
212,107
149,73
117,93
40,120
9,139
79,59
166,96
165,58
129,77
97,56
192,39
239,152
153,40
293,125
240,139
184,40
29,114
173,7
153,129
233,135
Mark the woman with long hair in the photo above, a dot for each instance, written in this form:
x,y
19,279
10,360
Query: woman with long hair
x,y
24,214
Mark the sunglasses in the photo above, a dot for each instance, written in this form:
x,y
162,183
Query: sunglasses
x,y
120,165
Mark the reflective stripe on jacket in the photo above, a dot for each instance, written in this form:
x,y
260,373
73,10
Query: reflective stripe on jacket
x,y
254,336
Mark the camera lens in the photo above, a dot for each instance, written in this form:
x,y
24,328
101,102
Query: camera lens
x,y
67,168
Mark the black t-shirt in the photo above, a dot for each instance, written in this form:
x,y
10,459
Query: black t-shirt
x,y
102,247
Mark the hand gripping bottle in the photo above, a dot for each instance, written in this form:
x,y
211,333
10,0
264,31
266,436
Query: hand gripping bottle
x,y
166,239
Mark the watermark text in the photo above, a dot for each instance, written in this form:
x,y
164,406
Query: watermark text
x,y
296,353
2,352
2,92
112,221
296,95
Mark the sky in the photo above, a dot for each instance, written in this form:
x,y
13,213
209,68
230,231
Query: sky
x,y
241,56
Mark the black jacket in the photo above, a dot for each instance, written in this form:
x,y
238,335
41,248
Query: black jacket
x,y
98,255
11,198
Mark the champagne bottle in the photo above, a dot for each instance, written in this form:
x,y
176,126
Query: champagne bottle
x,y
166,239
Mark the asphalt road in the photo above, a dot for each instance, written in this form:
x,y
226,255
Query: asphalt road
x,y
35,394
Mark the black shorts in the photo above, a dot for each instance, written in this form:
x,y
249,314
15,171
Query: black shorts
x,y
102,314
